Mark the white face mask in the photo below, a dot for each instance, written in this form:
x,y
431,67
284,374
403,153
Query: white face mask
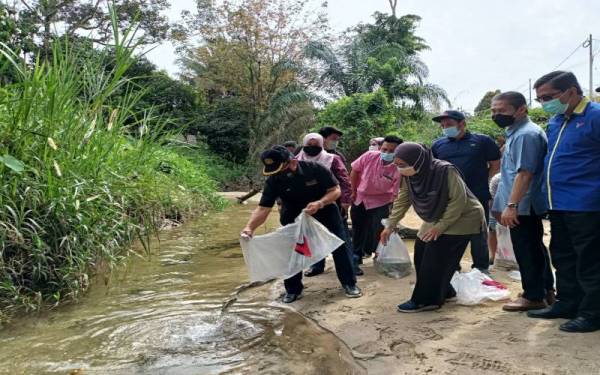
x,y
332,144
373,148
411,170
407,171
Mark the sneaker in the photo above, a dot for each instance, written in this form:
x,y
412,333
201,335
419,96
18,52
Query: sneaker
x,y
411,307
352,291
291,297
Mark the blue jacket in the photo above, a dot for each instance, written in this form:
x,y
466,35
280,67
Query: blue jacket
x,y
572,165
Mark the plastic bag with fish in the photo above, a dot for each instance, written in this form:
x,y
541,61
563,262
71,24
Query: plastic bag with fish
x,y
505,254
393,259
288,250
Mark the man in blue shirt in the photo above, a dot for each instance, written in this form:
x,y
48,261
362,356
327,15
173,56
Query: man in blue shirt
x,y
478,158
572,191
519,204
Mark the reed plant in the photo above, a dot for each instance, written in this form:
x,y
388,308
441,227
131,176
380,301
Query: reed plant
x,y
81,174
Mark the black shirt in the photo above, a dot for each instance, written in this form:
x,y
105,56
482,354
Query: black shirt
x,y
308,184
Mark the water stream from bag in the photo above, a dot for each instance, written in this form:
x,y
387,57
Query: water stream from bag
x,y
174,313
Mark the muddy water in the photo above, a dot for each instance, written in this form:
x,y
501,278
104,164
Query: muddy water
x,y
166,315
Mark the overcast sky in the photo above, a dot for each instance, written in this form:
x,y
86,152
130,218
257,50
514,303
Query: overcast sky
x,y
476,45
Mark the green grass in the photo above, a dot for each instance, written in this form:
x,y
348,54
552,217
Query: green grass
x,y
82,177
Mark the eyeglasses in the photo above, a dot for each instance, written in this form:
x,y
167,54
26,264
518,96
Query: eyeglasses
x,y
547,98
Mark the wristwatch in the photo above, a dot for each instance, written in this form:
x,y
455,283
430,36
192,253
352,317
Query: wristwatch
x,y
512,205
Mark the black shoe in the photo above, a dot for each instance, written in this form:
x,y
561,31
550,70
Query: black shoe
x,y
556,311
352,291
581,324
313,272
358,271
291,297
411,307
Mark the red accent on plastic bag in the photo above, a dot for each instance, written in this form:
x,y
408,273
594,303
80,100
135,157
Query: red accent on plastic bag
x,y
494,283
303,248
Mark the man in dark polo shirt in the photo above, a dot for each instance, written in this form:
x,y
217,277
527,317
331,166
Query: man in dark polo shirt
x,y
303,186
478,158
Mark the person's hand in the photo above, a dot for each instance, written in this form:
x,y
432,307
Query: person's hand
x,y
247,233
431,235
313,208
384,237
509,217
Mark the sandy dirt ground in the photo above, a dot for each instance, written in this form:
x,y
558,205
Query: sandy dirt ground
x,y
453,340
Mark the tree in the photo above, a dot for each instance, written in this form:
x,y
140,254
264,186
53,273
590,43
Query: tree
x,y
39,21
486,102
380,55
393,4
361,116
251,50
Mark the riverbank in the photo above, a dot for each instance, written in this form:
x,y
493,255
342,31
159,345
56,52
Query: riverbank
x,y
454,340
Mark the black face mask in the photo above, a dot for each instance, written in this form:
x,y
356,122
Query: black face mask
x,y
312,150
503,120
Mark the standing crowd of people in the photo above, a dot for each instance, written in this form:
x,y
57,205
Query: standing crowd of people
x,y
461,187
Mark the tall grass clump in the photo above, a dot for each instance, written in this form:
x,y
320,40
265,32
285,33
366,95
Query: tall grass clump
x,y
81,175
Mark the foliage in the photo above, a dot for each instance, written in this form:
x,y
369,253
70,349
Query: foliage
x,y
378,55
79,179
38,22
486,102
251,52
361,117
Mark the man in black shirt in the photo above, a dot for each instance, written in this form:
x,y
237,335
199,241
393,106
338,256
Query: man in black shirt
x,y
309,187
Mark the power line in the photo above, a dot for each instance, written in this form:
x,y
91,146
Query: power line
x,y
568,57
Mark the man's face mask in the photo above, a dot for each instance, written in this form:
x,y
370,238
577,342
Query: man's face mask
x,y
502,120
332,144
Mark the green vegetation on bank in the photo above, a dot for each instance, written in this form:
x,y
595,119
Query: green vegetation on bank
x,y
81,174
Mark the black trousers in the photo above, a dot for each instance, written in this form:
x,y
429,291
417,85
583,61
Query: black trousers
x,y
435,263
479,247
366,227
532,257
341,256
575,248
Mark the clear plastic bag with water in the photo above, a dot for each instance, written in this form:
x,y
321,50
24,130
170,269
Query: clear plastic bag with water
x,y
289,250
505,254
393,259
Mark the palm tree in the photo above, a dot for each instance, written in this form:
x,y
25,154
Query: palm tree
x,y
367,61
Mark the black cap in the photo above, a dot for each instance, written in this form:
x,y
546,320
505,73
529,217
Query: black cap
x,y
456,115
326,131
274,159
290,144
597,89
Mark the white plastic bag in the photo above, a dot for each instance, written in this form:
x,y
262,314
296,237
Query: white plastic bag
x,y
274,255
505,255
470,289
393,259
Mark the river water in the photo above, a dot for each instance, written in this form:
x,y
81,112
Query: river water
x,y
177,311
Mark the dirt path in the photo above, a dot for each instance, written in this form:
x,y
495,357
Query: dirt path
x,y
454,340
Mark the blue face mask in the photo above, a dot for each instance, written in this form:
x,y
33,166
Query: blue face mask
x,y
387,156
451,132
555,107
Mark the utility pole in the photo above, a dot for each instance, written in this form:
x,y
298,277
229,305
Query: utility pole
x,y
589,43
529,92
